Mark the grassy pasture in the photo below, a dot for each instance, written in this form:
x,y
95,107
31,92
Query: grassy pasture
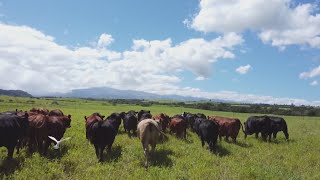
x,y
174,159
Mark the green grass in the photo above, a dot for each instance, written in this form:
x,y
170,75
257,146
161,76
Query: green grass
x,y
174,159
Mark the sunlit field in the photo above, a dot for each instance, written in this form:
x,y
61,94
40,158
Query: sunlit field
x,y
174,159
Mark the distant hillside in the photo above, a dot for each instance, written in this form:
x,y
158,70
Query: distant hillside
x,y
111,93
15,93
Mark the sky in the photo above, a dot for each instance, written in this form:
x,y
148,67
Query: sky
x,y
238,50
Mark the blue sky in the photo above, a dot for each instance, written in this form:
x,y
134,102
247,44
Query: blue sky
x,y
246,51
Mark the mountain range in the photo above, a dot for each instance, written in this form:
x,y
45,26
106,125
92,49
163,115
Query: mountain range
x,y
111,93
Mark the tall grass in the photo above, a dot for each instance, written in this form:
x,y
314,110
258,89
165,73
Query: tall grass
x,y
174,159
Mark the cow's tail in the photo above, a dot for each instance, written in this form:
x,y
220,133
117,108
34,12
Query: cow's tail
x,y
162,135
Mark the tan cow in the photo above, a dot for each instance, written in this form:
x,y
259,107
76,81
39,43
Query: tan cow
x,y
149,132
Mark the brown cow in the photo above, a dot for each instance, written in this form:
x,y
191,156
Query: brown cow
x,y
148,131
163,120
178,125
38,131
40,110
228,127
95,117
57,126
56,112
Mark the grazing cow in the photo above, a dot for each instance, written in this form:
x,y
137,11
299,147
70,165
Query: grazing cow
x,y
149,132
38,132
279,124
101,133
163,120
208,131
13,127
57,126
229,127
144,114
130,122
178,126
56,112
40,110
258,124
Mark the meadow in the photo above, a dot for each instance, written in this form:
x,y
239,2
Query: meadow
x,y
174,159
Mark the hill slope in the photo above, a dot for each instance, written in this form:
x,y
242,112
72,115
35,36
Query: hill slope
x,y
15,93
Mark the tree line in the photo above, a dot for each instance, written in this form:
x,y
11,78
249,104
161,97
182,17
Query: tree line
x,y
290,110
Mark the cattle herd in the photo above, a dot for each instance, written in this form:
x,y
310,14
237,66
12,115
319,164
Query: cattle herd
x,y
39,127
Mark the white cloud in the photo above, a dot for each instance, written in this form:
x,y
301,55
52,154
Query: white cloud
x,y
33,61
314,83
311,74
243,69
104,40
200,78
277,22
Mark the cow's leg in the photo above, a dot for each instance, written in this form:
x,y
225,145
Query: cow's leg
x,y
220,137
129,134
46,146
146,154
96,147
101,152
257,135
270,137
274,135
227,138
286,134
40,145
153,147
135,131
245,135
264,137
234,139
10,151
19,145
109,147
202,142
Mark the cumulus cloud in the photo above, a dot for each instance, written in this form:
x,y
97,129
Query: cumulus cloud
x,y
104,40
243,69
33,61
278,22
314,83
311,74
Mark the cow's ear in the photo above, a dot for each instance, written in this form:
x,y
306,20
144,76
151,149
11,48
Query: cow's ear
x,y
85,117
69,116
102,117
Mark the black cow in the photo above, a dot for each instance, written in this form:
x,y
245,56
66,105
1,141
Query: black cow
x,y
13,127
102,133
130,121
115,120
258,124
190,118
208,131
279,124
144,114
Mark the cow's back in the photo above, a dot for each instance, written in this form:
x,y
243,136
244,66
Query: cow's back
x,y
148,131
